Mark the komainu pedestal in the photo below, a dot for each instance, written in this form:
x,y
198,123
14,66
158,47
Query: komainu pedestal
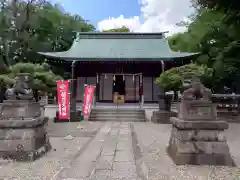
x,y
197,138
162,116
164,113
22,124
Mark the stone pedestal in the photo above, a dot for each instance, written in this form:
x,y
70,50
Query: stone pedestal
x,y
164,101
23,140
197,137
162,116
17,109
199,143
74,117
23,136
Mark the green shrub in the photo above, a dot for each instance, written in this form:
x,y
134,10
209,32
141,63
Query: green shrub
x,y
172,78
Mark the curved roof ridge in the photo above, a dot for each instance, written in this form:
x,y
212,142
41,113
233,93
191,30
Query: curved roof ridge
x,y
102,46
119,35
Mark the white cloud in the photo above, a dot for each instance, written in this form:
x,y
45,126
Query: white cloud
x,y
158,16
131,23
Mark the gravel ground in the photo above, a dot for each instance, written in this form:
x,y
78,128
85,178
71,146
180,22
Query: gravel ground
x,y
83,129
46,167
157,165
64,150
152,140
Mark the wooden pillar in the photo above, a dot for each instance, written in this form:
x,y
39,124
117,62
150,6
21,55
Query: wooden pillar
x,y
163,66
135,84
141,90
161,90
152,88
74,89
97,87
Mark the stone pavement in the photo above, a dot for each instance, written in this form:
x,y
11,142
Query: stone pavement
x,y
107,154
114,150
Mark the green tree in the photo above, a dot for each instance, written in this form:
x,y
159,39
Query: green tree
x,y
43,78
218,41
201,35
171,80
121,29
230,8
227,64
28,26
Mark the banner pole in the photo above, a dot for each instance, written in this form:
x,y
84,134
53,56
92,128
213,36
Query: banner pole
x,y
88,99
84,94
57,102
69,102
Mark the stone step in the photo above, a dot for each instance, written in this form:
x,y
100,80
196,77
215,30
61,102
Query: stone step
x,y
109,112
117,119
118,110
119,115
127,115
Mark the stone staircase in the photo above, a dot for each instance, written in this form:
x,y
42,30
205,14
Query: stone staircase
x,y
115,114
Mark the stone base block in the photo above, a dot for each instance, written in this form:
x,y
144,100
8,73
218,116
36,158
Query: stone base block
x,y
199,147
74,117
162,117
227,113
23,140
16,109
26,155
200,159
230,119
198,135
208,125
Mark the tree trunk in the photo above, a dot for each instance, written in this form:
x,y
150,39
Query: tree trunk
x,y
2,93
35,94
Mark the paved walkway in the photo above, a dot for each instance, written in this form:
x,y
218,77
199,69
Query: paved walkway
x,y
105,155
109,156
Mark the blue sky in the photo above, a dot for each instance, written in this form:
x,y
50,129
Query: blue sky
x,y
97,10
137,15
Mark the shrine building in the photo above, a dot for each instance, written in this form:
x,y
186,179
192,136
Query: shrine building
x,y
119,64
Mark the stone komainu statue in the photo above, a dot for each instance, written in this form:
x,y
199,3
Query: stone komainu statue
x,y
197,136
196,91
21,90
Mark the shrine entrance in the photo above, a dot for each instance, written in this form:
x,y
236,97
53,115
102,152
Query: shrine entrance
x,y
119,88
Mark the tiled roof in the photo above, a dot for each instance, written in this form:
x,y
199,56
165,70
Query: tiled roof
x,y
119,46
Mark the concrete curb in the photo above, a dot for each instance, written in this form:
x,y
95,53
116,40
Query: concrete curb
x,y
141,167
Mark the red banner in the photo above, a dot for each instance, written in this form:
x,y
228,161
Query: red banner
x,y
88,99
63,99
